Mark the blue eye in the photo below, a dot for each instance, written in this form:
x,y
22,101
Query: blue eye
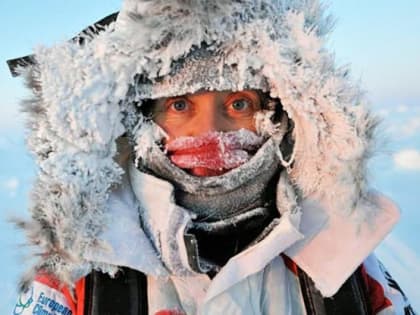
x,y
240,104
179,105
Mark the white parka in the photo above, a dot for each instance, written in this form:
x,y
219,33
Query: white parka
x,y
86,98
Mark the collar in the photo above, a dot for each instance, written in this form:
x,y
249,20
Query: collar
x,y
336,244
126,242
326,244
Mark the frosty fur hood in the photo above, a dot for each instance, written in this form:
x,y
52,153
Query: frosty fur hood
x,y
85,98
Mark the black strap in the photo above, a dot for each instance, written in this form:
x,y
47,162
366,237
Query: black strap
x,y
125,294
351,299
314,302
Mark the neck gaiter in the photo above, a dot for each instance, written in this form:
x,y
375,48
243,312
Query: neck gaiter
x,y
231,210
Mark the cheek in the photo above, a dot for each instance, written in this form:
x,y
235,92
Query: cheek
x,y
173,128
250,125
244,123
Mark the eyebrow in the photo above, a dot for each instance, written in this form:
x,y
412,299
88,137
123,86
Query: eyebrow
x,y
249,93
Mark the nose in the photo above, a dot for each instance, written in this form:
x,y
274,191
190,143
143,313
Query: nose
x,y
207,119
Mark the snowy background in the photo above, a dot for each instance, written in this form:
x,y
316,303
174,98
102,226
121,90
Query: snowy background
x,y
381,39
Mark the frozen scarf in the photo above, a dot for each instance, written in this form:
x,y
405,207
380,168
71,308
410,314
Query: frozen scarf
x,y
228,212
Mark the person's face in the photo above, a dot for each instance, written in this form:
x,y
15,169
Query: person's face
x,y
200,114
203,112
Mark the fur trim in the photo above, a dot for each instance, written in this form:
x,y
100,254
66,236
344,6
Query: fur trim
x,y
85,96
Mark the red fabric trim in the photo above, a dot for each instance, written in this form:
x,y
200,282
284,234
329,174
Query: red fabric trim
x,y
376,292
48,280
290,264
80,296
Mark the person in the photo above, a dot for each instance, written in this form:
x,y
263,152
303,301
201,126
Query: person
x,y
202,157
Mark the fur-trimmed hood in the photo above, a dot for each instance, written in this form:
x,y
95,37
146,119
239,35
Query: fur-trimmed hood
x,y
86,97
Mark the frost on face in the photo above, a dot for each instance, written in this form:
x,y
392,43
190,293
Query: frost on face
x,y
214,150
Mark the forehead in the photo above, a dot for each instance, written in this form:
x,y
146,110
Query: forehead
x,y
254,94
